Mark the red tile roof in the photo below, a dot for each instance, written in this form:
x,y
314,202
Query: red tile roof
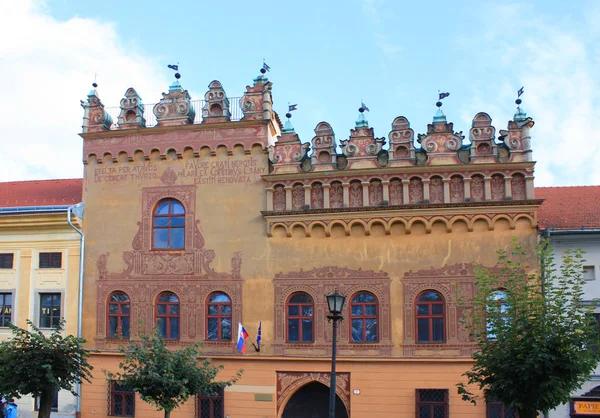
x,y
569,207
40,193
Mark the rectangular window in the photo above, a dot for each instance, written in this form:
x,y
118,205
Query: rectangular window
x,y
49,310
50,260
121,400
589,273
432,403
6,309
6,261
54,402
211,406
496,409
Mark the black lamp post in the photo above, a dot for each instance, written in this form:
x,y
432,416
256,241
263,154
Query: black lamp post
x,y
335,302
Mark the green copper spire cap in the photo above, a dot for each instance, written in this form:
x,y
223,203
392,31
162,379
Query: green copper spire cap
x,y
288,128
439,117
175,86
520,115
362,121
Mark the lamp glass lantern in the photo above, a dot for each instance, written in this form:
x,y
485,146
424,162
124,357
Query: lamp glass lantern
x,y
335,302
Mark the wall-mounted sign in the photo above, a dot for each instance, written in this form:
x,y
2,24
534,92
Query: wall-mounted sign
x,y
590,407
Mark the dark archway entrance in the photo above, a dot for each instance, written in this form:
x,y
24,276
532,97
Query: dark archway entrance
x,y
312,401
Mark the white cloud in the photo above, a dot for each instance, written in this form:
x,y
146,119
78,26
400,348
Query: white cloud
x,y
47,67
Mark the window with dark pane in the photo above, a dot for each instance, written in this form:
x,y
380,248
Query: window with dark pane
x,y
430,315
121,400
211,406
218,317
363,318
169,225
118,315
6,260
299,317
49,310
496,409
496,303
167,315
54,406
6,308
50,260
432,403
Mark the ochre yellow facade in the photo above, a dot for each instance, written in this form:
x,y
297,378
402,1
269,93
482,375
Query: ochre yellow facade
x,y
262,224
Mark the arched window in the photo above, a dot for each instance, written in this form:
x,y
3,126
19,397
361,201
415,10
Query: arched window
x,y
430,316
167,315
218,317
169,225
363,317
118,315
497,308
300,323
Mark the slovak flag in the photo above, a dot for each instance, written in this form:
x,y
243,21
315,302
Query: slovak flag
x,y
242,335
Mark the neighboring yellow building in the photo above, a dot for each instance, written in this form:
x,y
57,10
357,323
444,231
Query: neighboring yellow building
x,y
39,264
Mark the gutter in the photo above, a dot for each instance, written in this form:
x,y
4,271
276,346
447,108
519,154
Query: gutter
x,y
35,209
573,231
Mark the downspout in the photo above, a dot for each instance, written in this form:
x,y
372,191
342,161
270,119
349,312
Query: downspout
x,y
79,300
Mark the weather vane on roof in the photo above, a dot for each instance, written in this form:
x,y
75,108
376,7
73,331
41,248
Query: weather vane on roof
x,y
363,107
175,67
291,108
265,67
519,93
441,96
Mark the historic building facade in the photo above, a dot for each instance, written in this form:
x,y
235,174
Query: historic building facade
x,y
203,214
39,265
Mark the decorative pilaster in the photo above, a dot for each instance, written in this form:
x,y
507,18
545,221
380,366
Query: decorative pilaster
x,y
446,190
365,190
307,189
346,188
467,185
488,188
508,188
426,183
529,189
326,188
386,192
406,191
269,198
288,198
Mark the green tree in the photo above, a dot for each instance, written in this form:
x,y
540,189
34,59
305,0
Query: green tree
x,y
536,341
167,378
39,362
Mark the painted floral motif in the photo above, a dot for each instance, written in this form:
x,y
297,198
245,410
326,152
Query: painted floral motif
x,y
497,185
279,197
436,190
518,187
336,195
316,196
477,189
396,194
415,190
298,196
457,189
356,194
375,193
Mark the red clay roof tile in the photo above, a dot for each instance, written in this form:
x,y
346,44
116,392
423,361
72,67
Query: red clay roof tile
x,y
575,207
40,193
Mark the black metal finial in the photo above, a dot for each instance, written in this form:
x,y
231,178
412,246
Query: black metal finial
x,y
177,76
518,101
262,70
439,104
288,115
361,109
94,84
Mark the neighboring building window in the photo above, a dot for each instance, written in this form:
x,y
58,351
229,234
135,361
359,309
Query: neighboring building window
x,y
121,400
54,402
167,316
6,309
49,310
432,403
218,317
363,318
169,225
299,319
497,301
50,260
430,316
211,406
118,314
496,409
6,261
589,273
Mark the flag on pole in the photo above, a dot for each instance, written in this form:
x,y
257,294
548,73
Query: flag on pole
x,y
266,67
443,95
521,91
291,108
364,106
242,335
259,335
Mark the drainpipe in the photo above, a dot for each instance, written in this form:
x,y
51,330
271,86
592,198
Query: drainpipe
x,y
78,208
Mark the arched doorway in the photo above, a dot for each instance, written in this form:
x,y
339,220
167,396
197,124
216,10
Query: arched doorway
x,y
312,401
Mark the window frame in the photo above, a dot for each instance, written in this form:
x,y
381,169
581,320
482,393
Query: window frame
x,y
431,404
219,316
41,307
50,263
501,303
119,315
219,397
300,317
168,316
3,296
112,393
4,257
495,403
363,317
169,227
430,317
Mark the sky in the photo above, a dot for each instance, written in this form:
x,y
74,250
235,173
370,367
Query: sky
x,y
326,56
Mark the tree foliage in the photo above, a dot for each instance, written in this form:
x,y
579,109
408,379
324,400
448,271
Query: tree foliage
x,y
536,341
39,362
167,378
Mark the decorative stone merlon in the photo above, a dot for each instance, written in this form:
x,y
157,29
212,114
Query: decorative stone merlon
x,y
175,107
362,148
483,148
95,117
517,138
216,104
402,148
441,143
287,153
257,102
323,144
132,111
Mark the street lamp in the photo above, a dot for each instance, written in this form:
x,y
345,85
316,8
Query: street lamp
x,y
335,302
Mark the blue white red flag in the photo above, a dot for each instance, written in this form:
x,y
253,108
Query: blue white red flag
x,y
242,335
259,336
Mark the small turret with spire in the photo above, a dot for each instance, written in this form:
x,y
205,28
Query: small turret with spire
x,y
95,117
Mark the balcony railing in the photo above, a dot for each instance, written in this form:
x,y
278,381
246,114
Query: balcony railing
x,y
234,109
